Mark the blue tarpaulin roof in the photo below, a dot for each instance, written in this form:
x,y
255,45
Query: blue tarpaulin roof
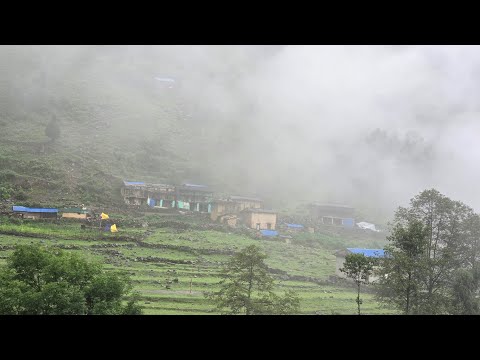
x,y
269,232
34,210
368,252
295,225
134,183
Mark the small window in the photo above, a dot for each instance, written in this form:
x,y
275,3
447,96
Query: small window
x,y
269,226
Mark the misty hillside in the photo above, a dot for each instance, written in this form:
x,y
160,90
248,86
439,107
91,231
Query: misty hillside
x,y
117,122
270,121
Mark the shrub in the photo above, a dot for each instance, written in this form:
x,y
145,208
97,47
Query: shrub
x,y
5,192
21,195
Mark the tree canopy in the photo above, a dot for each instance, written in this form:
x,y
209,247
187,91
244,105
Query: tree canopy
x,y
248,287
48,281
432,267
402,272
358,267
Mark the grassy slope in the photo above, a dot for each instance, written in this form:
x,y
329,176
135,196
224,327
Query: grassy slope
x,y
110,130
155,257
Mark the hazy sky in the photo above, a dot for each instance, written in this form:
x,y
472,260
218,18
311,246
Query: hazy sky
x,y
315,105
366,125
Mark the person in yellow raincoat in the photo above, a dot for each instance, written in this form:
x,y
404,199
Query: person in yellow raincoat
x,y
104,216
113,228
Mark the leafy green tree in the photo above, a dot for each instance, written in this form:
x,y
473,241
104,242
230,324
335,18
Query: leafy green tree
x,y
470,244
402,270
358,267
432,241
248,287
445,233
464,292
53,130
48,281
273,304
466,280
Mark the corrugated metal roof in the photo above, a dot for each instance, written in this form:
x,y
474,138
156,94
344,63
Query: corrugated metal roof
x,y
368,252
134,183
295,226
195,188
34,210
269,232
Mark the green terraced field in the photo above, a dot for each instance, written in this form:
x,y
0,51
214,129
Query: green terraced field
x,y
171,268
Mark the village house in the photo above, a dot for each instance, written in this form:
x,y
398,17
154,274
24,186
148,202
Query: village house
x,y
233,205
371,253
194,197
184,197
259,219
153,195
75,213
35,213
331,214
230,220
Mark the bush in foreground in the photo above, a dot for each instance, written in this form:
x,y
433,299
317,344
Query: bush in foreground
x,y
48,281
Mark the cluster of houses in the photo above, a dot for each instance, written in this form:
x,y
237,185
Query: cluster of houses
x,y
230,210
243,210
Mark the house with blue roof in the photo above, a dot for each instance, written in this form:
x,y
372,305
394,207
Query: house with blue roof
x,y
35,213
190,197
370,253
154,195
333,214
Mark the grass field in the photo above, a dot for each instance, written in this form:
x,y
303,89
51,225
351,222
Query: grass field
x,y
171,268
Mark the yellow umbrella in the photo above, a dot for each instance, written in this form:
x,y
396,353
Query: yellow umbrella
x,y
104,216
113,228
